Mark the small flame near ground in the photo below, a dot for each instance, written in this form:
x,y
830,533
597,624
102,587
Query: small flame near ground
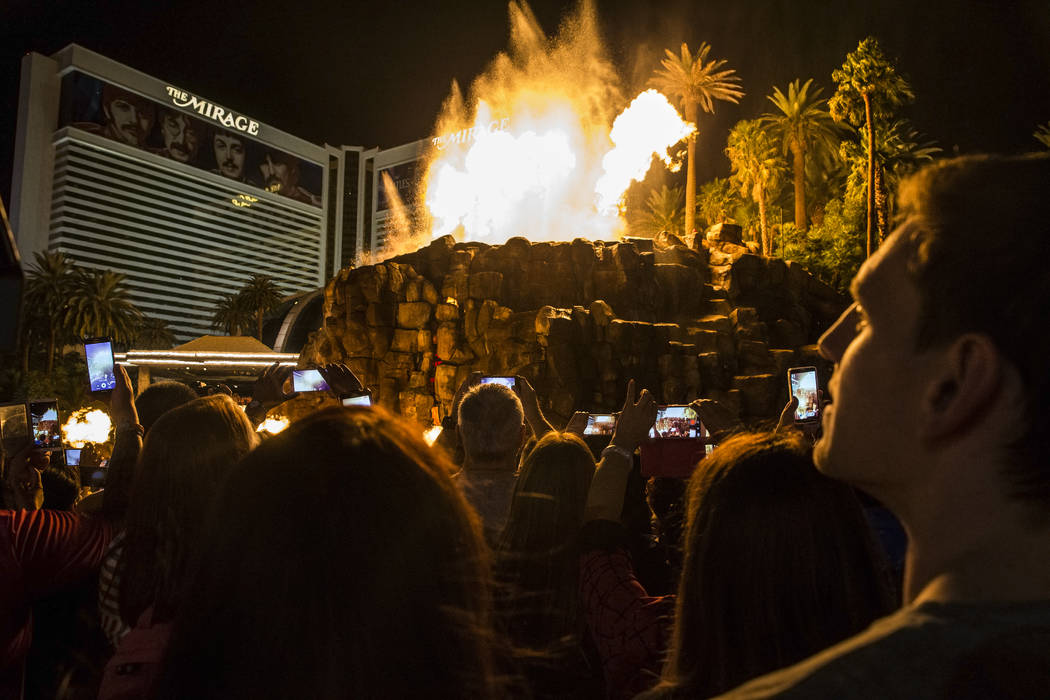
x,y
273,425
431,434
87,425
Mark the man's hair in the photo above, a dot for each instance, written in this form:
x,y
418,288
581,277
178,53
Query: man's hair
x,y
61,486
490,419
979,249
157,399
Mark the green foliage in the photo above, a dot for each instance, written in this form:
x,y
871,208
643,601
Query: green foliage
x,y
802,121
68,383
153,334
235,312
718,202
100,306
757,168
232,314
663,212
1042,134
831,249
867,72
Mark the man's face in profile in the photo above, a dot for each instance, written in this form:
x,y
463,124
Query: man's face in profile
x,y
277,175
229,154
180,136
128,121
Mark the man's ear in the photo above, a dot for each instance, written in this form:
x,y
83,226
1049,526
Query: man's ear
x,y
966,381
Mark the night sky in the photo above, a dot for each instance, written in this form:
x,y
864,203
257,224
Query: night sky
x,y
375,73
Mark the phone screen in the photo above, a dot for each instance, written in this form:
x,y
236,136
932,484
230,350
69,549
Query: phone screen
x,y
13,427
43,421
72,457
362,400
509,382
600,424
99,354
802,382
676,422
308,380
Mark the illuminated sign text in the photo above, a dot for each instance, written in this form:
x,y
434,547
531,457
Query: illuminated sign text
x,y
471,134
231,120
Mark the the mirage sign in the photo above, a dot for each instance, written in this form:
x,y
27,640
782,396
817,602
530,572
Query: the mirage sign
x,y
228,118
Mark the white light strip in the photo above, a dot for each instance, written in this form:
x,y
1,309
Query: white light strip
x,y
271,356
206,363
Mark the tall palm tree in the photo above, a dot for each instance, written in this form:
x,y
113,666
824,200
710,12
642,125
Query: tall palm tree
x,y
50,285
232,314
803,123
868,88
101,306
663,212
754,159
261,296
695,82
154,334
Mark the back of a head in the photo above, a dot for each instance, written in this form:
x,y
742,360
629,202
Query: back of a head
x,y
157,399
996,210
185,457
343,562
490,422
61,487
779,564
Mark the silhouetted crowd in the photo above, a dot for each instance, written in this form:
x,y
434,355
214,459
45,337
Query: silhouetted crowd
x,y
899,548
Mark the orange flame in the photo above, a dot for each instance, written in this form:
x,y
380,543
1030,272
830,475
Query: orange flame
x,y
87,425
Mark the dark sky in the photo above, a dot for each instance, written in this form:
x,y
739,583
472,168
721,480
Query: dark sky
x,y
375,73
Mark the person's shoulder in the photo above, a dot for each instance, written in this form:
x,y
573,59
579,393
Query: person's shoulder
x,y
917,652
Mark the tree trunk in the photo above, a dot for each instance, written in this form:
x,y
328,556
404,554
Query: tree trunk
x,y
690,171
800,187
259,318
767,242
50,352
881,202
871,170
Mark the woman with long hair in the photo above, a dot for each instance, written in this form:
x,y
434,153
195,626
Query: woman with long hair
x,y
780,563
342,561
537,568
187,454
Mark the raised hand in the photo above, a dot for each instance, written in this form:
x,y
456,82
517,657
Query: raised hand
x,y
341,379
635,420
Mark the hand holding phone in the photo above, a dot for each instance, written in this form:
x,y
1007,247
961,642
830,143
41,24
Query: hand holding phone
x,y
308,380
43,424
101,374
677,421
802,385
600,424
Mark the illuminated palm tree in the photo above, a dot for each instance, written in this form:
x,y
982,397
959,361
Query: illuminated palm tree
x,y
50,284
100,306
868,88
753,156
695,82
803,123
663,212
232,314
717,201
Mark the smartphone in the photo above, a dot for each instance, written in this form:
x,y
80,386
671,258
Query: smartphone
x,y
99,355
360,398
802,384
43,424
72,457
600,424
677,422
509,382
14,428
308,380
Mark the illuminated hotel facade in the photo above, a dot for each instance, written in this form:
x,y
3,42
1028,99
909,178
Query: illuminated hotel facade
x,y
186,197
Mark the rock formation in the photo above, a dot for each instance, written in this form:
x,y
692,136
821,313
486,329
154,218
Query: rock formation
x,y
577,320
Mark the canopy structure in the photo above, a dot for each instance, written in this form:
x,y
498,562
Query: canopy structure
x,y
209,358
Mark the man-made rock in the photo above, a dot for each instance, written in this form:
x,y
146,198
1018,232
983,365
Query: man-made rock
x,y
578,319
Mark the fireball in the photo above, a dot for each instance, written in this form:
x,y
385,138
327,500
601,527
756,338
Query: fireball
x,y
87,425
273,425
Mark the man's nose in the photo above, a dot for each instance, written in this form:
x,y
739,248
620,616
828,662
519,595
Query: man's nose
x,y
835,340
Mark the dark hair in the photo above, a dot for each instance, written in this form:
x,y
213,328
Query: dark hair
x,y
997,208
537,558
157,399
186,455
342,561
490,420
779,564
61,486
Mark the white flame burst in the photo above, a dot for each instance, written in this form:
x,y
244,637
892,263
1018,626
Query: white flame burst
x,y
430,435
87,425
273,425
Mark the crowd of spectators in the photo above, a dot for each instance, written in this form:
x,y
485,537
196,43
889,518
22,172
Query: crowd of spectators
x,y
346,557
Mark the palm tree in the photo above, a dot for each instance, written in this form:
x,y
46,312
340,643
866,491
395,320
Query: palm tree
x,y
695,82
663,212
802,124
754,159
868,88
49,286
101,306
261,296
154,334
232,314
